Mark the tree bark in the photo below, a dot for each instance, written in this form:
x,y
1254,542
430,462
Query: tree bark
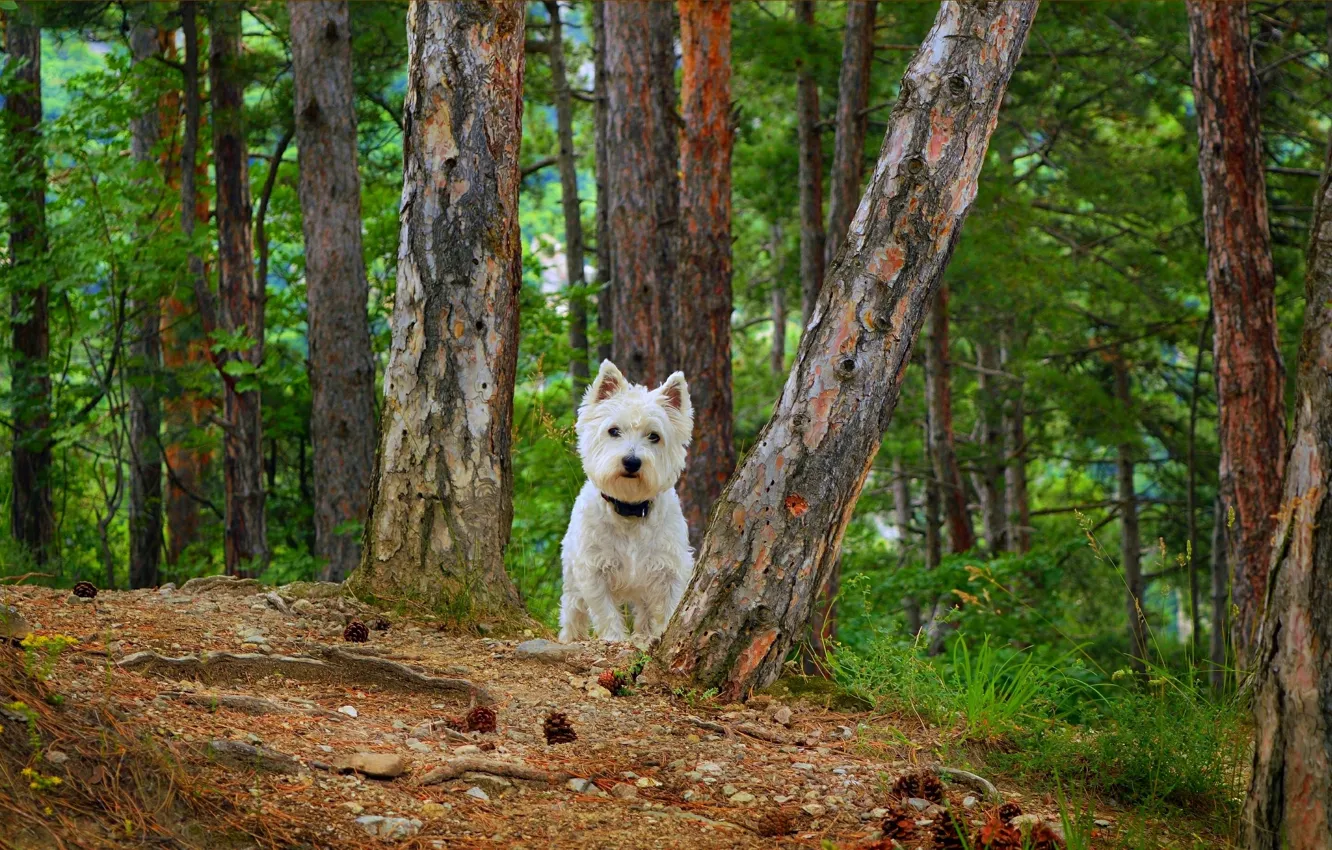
x,y
810,174
777,354
779,524
642,183
1250,377
32,515
705,253
993,511
184,337
939,397
1194,608
342,369
1220,597
573,214
1130,539
1015,465
605,282
852,123
443,497
145,367
1290,793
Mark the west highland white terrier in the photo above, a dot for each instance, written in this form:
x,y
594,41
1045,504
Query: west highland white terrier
x,y
627,542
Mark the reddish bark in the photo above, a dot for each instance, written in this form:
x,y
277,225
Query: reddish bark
x,y
852,122
778,526
606,293
1130,540
1249,373
810,175
705,252
643,188
943,452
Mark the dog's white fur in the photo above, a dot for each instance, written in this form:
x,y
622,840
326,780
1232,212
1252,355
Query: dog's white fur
x,y
612,560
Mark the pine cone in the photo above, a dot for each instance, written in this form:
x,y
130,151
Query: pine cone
x,y
923,784
356,632
946,835
85,590
480,719
900,824
1008,811
1044,838
996,834
614,681
775,823
378,624
558,728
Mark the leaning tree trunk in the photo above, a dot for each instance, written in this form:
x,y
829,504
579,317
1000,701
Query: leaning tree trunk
x,y
32,515
939,395
573,213
145,367
1290,792
705,252
1249,374
443,497
240,303
852,123
1130,539
643,187
779,524
605,284
342,369
810,173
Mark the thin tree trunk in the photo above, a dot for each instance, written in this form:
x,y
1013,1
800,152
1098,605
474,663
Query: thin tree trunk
x,y
1015,466
778,526
705,253
442,503
810,175
1130,540
1290,792
993,513
1220,597
573,215
1194,610
852,123
1250,378
777,355
902,514
145,403
605,282
939,395
32,515
642,183
342,369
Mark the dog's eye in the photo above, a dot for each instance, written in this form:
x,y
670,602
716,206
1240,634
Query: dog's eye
x,y
614,432
654,437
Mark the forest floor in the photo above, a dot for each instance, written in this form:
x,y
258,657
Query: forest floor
x,y
116,730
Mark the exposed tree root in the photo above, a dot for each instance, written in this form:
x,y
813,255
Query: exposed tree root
x,y
456,767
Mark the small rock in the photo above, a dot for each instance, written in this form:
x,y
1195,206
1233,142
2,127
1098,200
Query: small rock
x,y
647,782
969,802
304,607
814,810
624,791
391,829
709,767
540,649
918,804
598,692
56,757
12,624
495,786
467,749
742,798
477,793
166,589
348,710
579,786
354,808
374,765
802,765
689,795
878,813
728,790
432,809
691,738
418,746
782,716
1102,823
78,600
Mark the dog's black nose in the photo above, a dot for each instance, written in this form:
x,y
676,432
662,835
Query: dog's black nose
x,y
632,464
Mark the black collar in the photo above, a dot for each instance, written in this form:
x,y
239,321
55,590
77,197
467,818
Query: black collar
x,y
629,509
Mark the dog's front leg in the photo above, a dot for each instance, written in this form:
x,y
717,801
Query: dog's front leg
x,y
606,618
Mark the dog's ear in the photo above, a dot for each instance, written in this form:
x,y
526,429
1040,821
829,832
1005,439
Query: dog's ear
x,y
608,382
674,397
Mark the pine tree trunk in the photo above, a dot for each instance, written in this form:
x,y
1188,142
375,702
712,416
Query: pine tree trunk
x,y
443,497
1015,467
1290,792
1130,539
777,354
939,397
605,282
993,513
145,366
184,336
778,526
810,175
902,515
1195,608
32,515
1249,375
852,123
705,253
642,183
342,369
240,302
573,214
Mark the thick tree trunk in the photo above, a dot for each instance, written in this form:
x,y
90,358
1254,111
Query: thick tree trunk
x,y
852,123
1290,792
443,497
993,511
810,175
705,253
902,515
184,336
1249,374
1130,540
240,302
643,187
145,367
777,354
573,214
939,397
342,369
605,283
32,515
1220,598
779,524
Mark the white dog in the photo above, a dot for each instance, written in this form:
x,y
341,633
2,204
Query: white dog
x,y
627,542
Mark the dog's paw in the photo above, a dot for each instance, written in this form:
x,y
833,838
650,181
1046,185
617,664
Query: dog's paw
x,y
642,642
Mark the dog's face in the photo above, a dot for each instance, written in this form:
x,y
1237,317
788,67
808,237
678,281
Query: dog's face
x,y
632,440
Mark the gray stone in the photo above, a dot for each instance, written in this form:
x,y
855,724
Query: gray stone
x,y
802,765
624,792
477,794
419,747
13,626
579,786
918,804
56,757
540,649
303,607
495,786
742,798
1101,822
782,716
389,829
814,810
970,802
